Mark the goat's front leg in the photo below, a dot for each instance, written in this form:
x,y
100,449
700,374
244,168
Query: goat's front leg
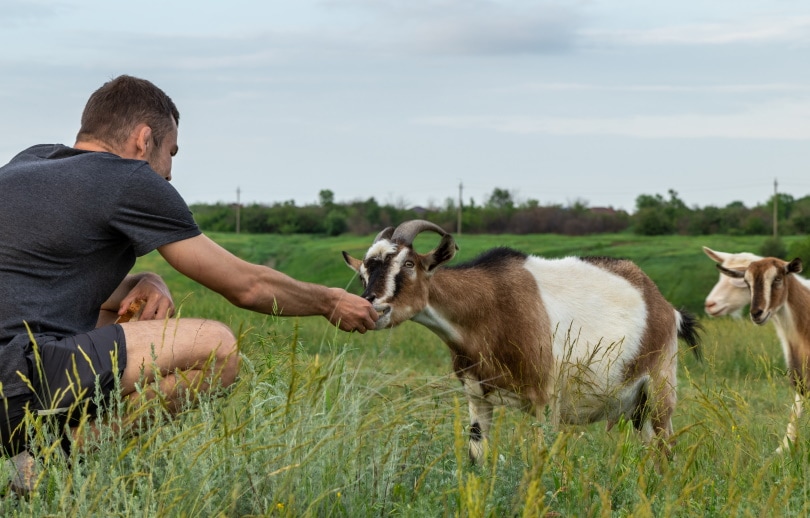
x,y
480,419
792,428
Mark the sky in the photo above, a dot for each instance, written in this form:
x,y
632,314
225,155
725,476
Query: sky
x,y
417,102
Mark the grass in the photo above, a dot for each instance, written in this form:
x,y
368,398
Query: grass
x,y
323,423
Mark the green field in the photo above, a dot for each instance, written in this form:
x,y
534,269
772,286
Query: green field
x,y
324,423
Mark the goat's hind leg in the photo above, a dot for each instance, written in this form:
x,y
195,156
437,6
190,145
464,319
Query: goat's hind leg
x,y
653,414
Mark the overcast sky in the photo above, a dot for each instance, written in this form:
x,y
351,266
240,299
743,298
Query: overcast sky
x,y
405,100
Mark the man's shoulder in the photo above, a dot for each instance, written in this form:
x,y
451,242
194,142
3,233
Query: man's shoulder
x,y
37,151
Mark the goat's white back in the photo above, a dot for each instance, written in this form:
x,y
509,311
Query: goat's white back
x,y
591,308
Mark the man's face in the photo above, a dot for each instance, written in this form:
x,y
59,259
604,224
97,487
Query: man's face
x,y
160,158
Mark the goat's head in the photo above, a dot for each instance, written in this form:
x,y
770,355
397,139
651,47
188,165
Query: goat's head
x,y
395,277
767,281
730,294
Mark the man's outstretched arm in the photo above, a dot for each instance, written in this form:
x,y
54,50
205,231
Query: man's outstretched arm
x,y
265,290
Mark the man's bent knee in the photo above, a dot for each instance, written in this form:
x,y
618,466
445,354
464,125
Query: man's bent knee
x,y
186,343
226,351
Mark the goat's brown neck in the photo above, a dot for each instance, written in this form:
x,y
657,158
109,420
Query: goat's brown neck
x,y
795,311
462,294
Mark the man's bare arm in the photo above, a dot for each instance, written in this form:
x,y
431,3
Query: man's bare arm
x,y
265,290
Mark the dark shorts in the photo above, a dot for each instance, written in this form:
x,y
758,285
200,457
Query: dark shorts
x,y
70,376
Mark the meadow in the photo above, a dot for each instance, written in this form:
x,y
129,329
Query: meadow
x,y
325,423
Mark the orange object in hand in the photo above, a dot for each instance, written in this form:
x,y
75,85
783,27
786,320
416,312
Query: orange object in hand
x,y
133,312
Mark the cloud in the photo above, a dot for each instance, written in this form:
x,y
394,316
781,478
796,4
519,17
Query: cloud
x,y
466,27
742,88
772,29
781,120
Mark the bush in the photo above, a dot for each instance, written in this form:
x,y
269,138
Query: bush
x,y
800,249
773,247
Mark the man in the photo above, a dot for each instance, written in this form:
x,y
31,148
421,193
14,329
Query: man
x,y
72,222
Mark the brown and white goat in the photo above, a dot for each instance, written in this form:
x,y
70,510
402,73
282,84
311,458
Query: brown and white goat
x,y
590,338
777,293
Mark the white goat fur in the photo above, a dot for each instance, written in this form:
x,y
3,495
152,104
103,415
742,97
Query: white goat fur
x,y
728,297
591,339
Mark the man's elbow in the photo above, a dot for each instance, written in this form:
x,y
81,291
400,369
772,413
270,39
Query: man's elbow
x,y
247,298
241,298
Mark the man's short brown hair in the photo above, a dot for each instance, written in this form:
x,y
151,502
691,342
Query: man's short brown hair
x,y
113,111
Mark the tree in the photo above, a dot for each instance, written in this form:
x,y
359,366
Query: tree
x,y
327,198
501,199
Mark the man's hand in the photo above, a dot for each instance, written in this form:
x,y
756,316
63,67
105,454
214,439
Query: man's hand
x,y
153,296
351,313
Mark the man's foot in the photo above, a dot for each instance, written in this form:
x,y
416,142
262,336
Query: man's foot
x,y
22,468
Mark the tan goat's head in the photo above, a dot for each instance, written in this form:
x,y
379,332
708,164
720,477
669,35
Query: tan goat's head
x,y
730,295
767,283
395,277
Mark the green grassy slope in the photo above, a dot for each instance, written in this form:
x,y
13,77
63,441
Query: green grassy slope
x,y
324,423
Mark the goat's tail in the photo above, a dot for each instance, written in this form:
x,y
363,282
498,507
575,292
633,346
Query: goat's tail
x,y
689,331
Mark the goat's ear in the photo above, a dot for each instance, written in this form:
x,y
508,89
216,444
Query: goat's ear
x,y
714,255
794,266
353,263
736,274
441,254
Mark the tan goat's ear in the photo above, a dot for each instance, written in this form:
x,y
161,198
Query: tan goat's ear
x,y
441,254
353,263
714,255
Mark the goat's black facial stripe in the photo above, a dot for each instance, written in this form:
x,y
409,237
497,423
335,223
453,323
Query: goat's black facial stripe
x,y
378,270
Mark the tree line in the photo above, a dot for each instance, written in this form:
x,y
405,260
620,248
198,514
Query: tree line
x,y
654,215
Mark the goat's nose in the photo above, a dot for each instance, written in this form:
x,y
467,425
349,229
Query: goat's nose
x,y
369,297
709,305
756,313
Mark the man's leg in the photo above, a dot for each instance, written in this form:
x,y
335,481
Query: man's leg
x,y
181,355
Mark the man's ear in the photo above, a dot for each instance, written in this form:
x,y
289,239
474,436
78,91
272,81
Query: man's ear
x,y
143,141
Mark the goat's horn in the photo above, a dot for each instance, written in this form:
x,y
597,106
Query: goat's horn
x,y
384,234
407,231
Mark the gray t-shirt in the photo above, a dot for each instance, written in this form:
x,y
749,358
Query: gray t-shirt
x,y
71,225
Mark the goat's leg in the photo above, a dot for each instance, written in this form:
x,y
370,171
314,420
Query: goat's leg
x,y
793,425
480,419
661,398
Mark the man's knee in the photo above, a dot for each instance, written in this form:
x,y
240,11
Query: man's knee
x,y
223,345
220,334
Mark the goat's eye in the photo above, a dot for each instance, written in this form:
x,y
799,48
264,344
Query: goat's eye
x,y
408,264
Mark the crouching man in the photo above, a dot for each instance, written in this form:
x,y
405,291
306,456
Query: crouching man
x,y
73,220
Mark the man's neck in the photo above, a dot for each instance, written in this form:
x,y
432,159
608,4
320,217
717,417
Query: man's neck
x,y
93,145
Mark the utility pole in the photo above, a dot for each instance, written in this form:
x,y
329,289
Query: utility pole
x,y
775,198
238,208
460,197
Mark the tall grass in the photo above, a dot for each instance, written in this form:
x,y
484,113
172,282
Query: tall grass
x,y
322,423
339,433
